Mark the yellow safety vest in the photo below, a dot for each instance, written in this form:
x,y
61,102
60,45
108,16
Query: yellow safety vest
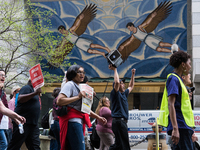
x,y
186,108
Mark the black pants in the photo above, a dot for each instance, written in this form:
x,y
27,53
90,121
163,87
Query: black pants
x,y
185,141
30,137
120,130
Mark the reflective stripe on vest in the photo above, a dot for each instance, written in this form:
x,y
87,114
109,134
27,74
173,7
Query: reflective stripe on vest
x,y
186,108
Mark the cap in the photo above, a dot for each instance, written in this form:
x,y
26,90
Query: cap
x,y
119,81
15,88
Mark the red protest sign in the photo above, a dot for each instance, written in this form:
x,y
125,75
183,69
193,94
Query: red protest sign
x,y
36,76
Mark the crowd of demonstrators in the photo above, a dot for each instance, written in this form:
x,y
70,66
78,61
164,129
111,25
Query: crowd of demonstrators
x,y
69,129
119,110
28,105
105,131
72,125
55,124
177,113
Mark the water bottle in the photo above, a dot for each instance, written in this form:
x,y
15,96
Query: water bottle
x,y
21,129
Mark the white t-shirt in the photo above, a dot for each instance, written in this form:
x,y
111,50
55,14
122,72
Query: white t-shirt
x,y
4,122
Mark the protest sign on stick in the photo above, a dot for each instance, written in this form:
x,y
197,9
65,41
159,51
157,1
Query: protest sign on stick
x,y
36,76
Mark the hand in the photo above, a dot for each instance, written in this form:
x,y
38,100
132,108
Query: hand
x,y
194,137
38,91
19,119
111,67
82,94
103,120
175,136
133,72
190,95
121,48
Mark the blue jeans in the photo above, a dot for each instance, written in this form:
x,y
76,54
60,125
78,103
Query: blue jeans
x,y
56,131
75,136
53,145
8,134
3,140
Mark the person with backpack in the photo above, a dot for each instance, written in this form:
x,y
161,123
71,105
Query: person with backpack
x,y
72,125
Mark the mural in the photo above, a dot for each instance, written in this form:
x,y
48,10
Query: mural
x,y
141,30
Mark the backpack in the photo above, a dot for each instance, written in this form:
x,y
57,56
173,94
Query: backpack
x,y
94,137
45,120
60,110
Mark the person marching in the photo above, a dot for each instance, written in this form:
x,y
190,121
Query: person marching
x,y
119,110
176,111
105,131
72,125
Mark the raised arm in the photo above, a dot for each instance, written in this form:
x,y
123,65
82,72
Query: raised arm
x,y
116,78
131,83
26,97
172,114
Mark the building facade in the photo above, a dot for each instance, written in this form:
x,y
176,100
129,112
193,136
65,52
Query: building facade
x,y
108,29
196,51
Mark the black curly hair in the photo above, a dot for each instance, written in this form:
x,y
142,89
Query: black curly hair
x,y
56,91
177,58
72,72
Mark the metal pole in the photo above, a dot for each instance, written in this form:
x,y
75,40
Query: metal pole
x,y
157,135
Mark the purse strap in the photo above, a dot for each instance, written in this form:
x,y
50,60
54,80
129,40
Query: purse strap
x,y
77,100
2,93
